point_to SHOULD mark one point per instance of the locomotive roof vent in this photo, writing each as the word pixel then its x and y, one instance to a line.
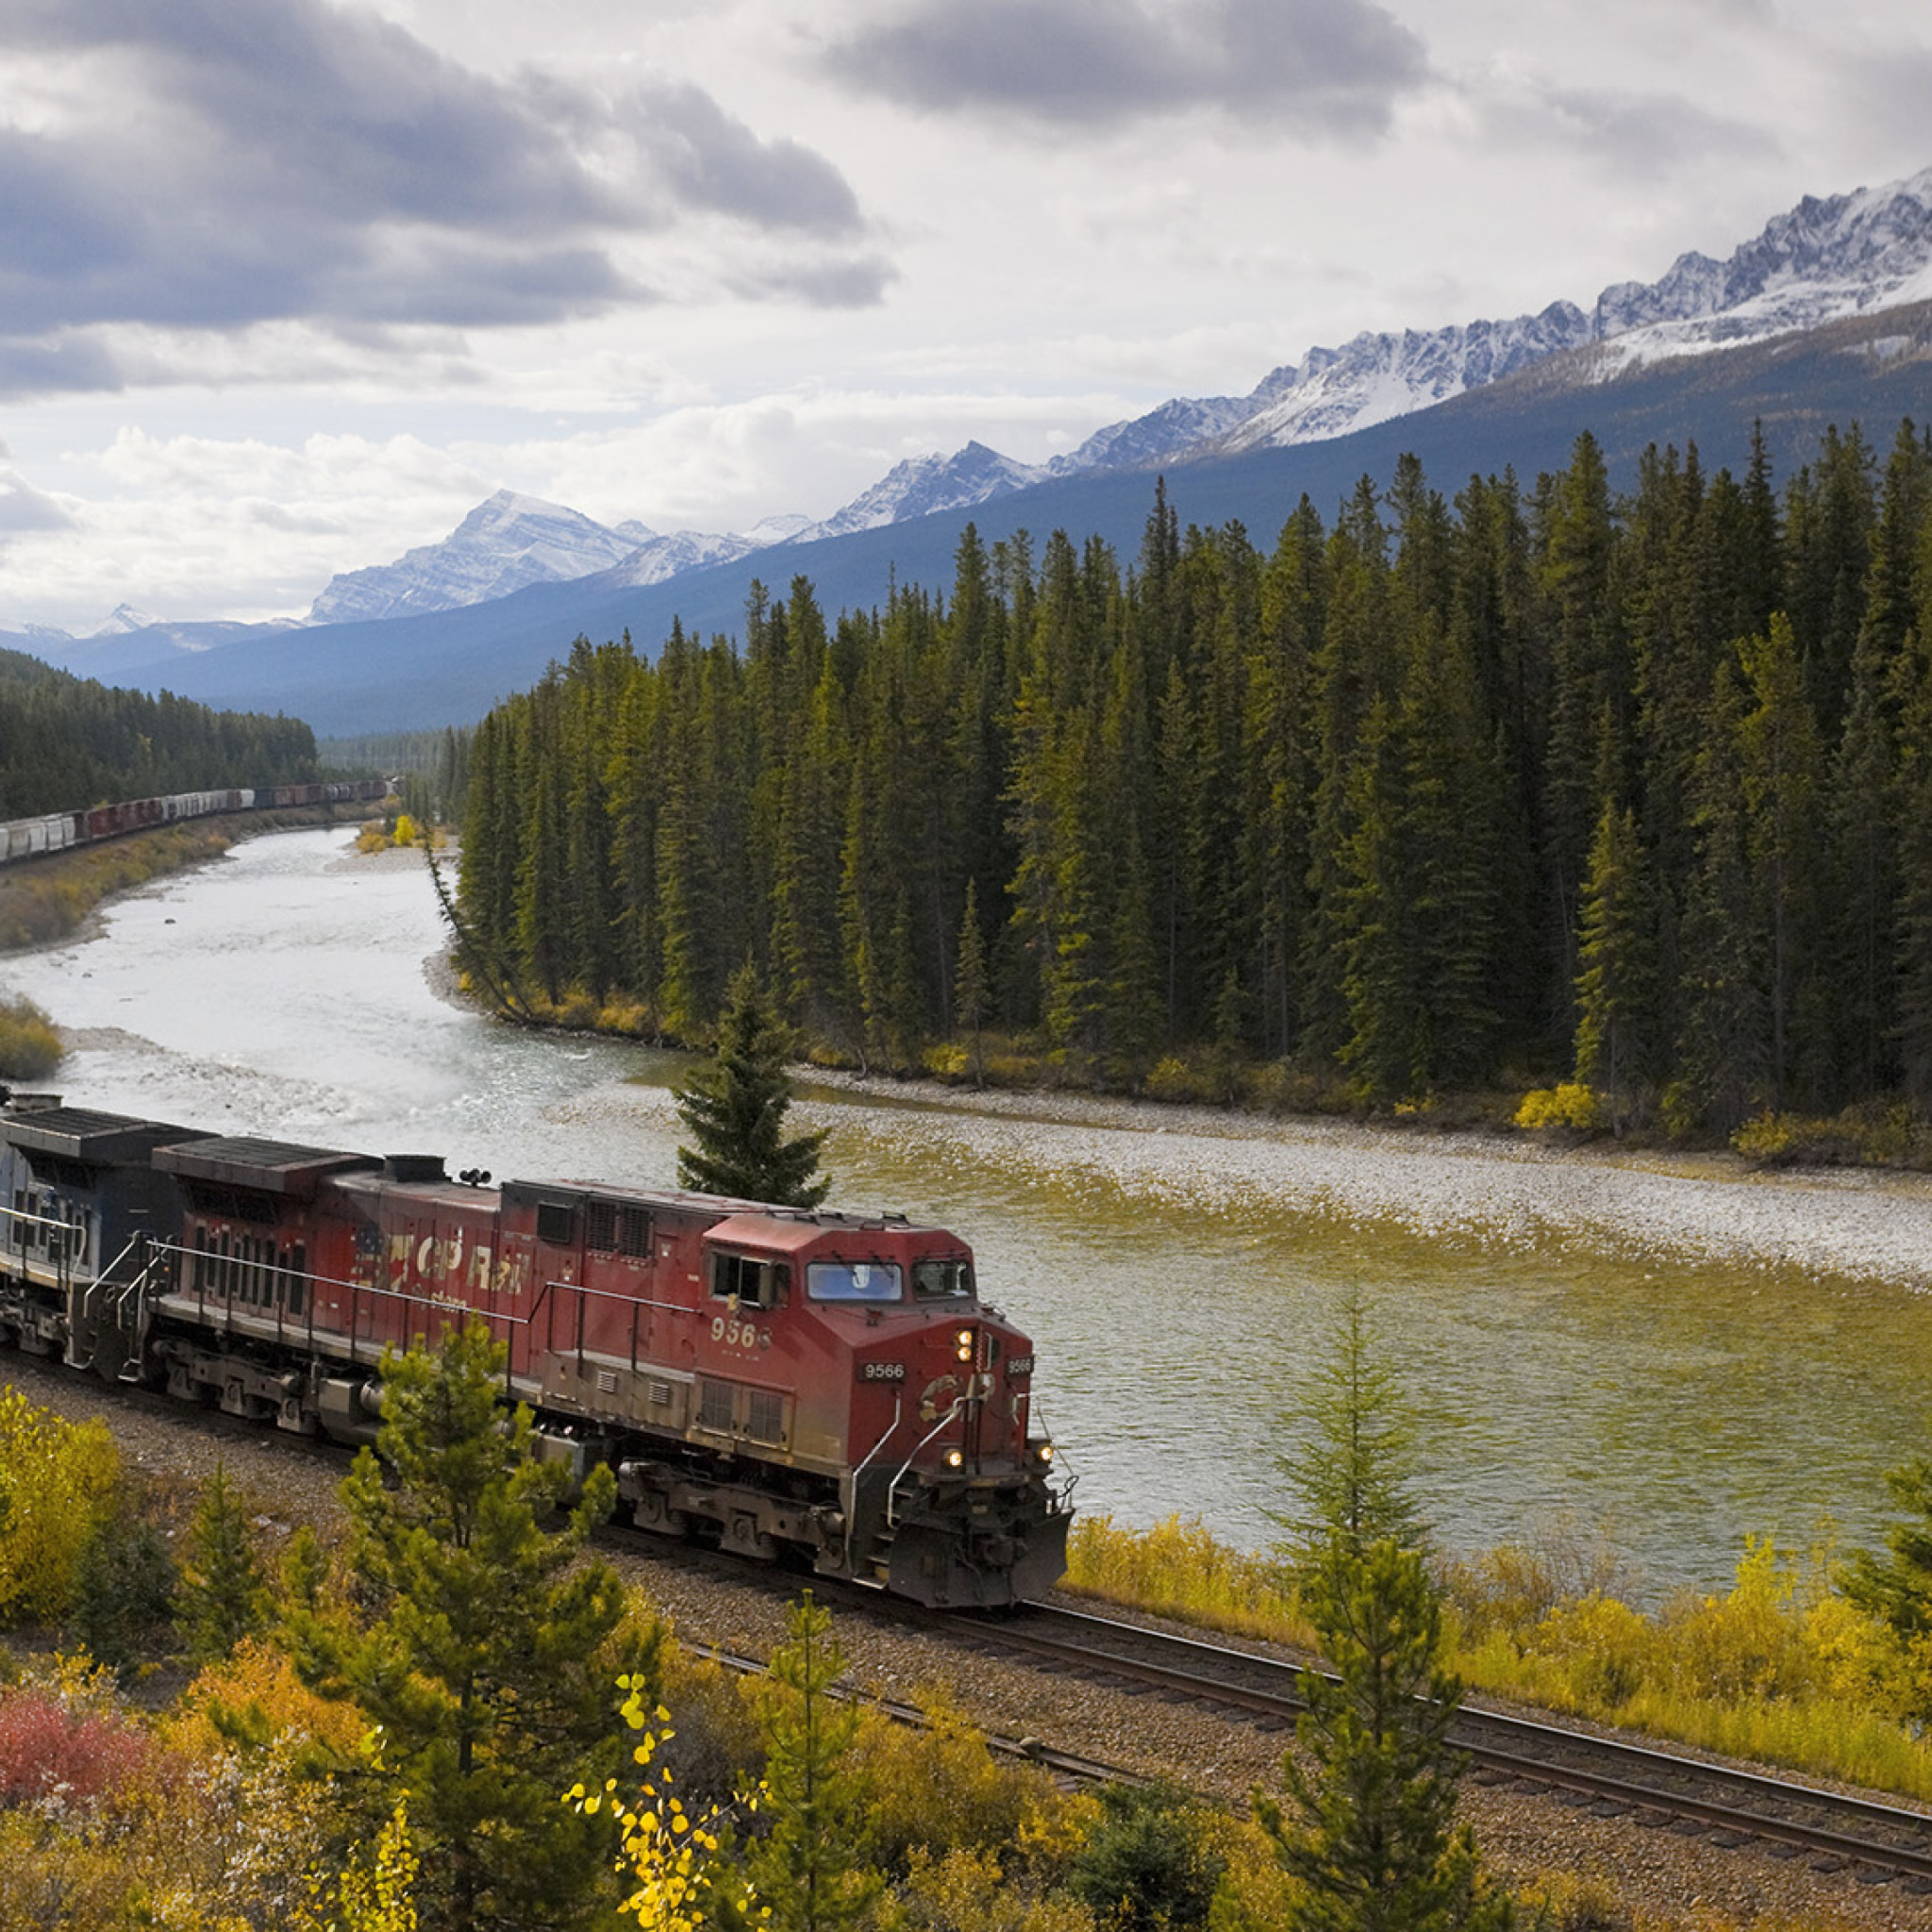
pixel 17 1102
pixel 412 1170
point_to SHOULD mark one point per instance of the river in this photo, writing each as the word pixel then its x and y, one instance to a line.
pixel 1673 1353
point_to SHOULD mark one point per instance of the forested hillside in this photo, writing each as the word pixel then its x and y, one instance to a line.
pixel 1438 794
pixel 66 742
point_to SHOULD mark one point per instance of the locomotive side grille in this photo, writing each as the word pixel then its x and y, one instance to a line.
pixel 602 1236
pixel 764 1415
pixel 714 1405
pixel 634 1233
pixel 661 1392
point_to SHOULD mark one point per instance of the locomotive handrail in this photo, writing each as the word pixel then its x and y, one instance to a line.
pixel 356 1290
pixel 633 1301
pixel 891 1429
pixel 893 1494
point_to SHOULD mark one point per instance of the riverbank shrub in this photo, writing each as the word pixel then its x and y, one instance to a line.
pixel 1571 1105
pixel 1781 1668
pixel 1179 1569
pixel 29 1043
pixel 1873 1135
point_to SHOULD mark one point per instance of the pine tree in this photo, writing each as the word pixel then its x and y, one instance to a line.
pixel 971 992
pixel 806 1867
pixel 1369 1827
pixel 483 1650
pixel 1779 762
pixel 224 1594
pixel 1616 990
pixel 735 1111
pixel 1897 1587
pixel 1912 788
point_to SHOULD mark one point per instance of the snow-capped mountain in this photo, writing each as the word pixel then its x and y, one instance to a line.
pixel 505 544
pixel 124 619
pixel 1845 256
pixel 921 485
pixel 511 542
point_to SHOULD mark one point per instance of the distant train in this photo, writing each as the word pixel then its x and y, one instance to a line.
pixel 60 830
pixel 772 1379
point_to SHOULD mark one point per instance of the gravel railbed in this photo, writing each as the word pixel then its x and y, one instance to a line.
pixel 1679 1880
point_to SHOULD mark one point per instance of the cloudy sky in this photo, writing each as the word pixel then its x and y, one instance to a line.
pixel 287 285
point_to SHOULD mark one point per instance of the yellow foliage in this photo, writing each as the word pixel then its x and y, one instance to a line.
pixel 55 1478
pixel 940 1788
pixel 1569 1104
pixel 1172 1078
pixel 671 1859
pixel 1178 1567
pixel 259 1686
pixel 965 1891
pixel 30 1045
pixel 373 1896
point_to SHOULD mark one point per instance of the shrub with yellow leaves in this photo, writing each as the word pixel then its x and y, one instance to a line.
pixel 675 1863
pixel 55 1479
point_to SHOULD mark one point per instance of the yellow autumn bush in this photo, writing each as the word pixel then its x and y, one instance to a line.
pixel 55 1479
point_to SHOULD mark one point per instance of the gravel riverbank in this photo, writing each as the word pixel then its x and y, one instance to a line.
pixel 1507 1190
pixel 1678 1881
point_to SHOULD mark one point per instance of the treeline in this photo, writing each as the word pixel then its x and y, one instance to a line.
pixel 1437 794
pixel 68 743
pixel 433 767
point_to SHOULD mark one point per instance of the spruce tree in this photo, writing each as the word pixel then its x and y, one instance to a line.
pixel 972 993
pixel 1897 1587
pixel 1616 990
pixel 480 1646
pixel 735 1111
pixel 806 1867
pixel 1369 1827
pixel 224 1594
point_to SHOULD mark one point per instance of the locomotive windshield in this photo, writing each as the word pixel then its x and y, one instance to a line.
pixel 852 1281
pixel 942 1280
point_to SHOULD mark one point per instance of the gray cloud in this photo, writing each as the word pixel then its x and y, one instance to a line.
pixel 1323 68
pixel 1647 135
pixel 65 366
pixel 716 162
pixel 248 160
pixel 24 508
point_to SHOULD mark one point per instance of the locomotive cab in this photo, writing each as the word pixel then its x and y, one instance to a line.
pixel 914 1392
pixel 79 1205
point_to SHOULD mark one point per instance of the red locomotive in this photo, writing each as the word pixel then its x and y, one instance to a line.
pixel 784 1381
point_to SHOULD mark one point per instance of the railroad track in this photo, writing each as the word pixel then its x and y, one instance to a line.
pixel 1831 1829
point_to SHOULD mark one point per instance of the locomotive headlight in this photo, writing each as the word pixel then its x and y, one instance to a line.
pixel 1044 1450
pixel 962 1343
pixel 956 1458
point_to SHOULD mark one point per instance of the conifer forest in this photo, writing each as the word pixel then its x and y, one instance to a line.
pixel 68 743
pixel 1533 782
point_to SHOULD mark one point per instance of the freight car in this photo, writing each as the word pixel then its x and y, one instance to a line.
pixel 58 831
pixel 822 1385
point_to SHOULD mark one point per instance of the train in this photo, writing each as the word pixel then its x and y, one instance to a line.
pixel 60 830
pixel 821 1387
